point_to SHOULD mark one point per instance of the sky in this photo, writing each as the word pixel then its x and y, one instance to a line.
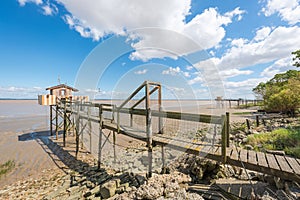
pixel 196 49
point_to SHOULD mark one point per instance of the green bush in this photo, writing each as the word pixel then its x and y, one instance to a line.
pixel 6 167
pixel 287 140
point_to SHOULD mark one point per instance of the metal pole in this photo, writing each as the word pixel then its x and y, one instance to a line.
pixel 77 129
pixel 223 150
pixel 227 128
pixel 56 121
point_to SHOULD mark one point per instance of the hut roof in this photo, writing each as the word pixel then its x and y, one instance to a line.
pixel 62 86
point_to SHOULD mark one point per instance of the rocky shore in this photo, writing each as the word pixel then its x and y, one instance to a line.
pixel 188 177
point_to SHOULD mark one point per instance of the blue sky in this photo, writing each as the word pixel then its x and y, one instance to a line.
pixel 196 49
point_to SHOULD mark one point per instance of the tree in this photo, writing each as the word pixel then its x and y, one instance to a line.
pixel 281 93
pixel 296 58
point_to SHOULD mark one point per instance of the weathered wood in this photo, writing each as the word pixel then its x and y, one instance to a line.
pixel 244 155
pixel 294 164
pixel 149 129
pixel 257 121
pixel 248 124
pixel 272 162
pixel 261 159
pixel 65 125
pixel 56 122
pixel 227 129
pixel 252 157
pixel 51 120
pixel 283 164
pixel 224 138
pixel 100 138
pixel 90 127
pixel 77 130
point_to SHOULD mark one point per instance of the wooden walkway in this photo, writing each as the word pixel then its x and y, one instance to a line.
pixel 285 167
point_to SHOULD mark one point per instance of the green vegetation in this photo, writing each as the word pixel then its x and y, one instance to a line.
pixel 287 140
pixel 281 93
pixel 296 59
pixel 6 167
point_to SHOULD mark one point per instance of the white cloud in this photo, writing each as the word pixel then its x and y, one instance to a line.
pixel 280 66
pixel 97 18
pixel 197 79
pixel 139 72
pixel 278 44
pixel 262 33
pixel 234 72
pixel 49 9
pixel 173 71
pixel 23 2
pixel 288 10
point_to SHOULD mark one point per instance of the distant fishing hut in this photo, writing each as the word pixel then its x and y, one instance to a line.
pixel 59 93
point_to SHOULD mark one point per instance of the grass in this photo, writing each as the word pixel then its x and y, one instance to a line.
pixel 287 140
pixel 6 167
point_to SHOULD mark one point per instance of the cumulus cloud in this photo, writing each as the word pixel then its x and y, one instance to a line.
pixel 95 19
pixel 139 72
pixel 280 66
pixel 234 72
pixel 276 45
pixel 174 71
pixel 24 2
pixel 288 10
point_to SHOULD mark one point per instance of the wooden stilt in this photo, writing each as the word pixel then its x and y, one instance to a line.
pixel 90 127
pixel 248 124
pixel 77 128
pixel 56 121
pixel 114 144
pixel 51 119
pixel 149 130
pixel 100 138
pixel 224 139
pixel 257 120
pixel 65 124
pixel 227 129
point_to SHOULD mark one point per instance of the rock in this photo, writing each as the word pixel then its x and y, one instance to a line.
pixel 279 183
pixel 248 147
pixel 108 189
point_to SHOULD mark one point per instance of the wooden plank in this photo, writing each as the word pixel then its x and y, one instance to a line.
pixel 261 159
pixel 294 164
pixel 244 155
pixel 283 164
pixel 272 161
pixel 235 154
pixel 252 157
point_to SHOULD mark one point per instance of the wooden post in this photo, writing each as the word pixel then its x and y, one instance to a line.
pixel 65 124
pixel 90 127
pixel 224 139
pixel 131 117
pixel 263 121
pixel 149 130
pixel 160 130
pixel 248 124
pixel 227 129
pixel 229 103
pixel 257 120
pixel 51 131
pixel 56 121
pixel 100 138
pixel 114 144
pixel 77 129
